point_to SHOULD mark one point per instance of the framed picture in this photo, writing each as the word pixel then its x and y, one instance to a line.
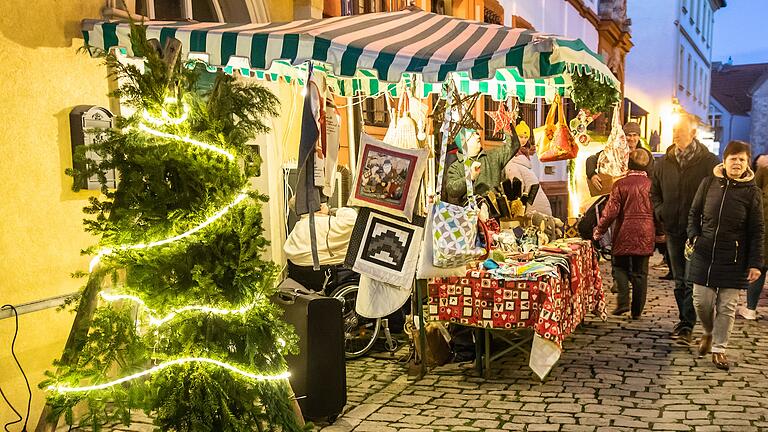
pixel 385 248
pixel 388 177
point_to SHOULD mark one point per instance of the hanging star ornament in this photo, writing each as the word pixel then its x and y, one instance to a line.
pixel 502 119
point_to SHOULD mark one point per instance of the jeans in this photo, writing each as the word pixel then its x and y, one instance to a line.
pixel 755 289
pixel 634 269
pixel 717 310
pixel 683 289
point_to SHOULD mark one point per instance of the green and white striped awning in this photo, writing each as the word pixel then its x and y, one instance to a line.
pixel 373 53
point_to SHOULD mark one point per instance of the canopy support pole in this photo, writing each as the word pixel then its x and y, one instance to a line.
pixel 354 128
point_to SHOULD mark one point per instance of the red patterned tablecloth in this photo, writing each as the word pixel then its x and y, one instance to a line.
pixel 552 306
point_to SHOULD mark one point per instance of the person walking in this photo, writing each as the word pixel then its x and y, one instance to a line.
pixel 756 288
pixel 725 229
pixel 629 205
pixel 676 177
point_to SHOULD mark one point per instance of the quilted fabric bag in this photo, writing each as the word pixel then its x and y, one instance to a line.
pixel 454 227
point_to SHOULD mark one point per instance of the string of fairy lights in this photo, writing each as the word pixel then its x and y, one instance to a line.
pixel 146 126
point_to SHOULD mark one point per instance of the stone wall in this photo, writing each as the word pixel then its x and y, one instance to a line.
pixel 759 133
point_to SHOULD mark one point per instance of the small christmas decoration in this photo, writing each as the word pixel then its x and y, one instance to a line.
pixel 502 119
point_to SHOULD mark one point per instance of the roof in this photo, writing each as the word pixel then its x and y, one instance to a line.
pixel 731 85
pixel 382 46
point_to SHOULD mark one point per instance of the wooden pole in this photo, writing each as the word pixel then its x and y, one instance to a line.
pixel 76 340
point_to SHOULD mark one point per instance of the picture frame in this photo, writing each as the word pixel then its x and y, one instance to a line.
pixel 385 247
pixel 387 177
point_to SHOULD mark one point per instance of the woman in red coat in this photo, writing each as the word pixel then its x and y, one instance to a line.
pixel 633 234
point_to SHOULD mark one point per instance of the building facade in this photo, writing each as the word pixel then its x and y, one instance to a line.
pixel 668 70
pixel 737 106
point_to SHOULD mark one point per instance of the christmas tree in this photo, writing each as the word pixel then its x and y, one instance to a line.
pixel 184 329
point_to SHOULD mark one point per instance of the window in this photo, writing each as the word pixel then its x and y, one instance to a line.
pixel 230 11
pixel 528 114
pixel 699 8
pixel 688 73
pixel 681 68
pixel 685 6
pixel 442 7
pixel 375 112
pixel 369 6
pixel 695 81
pixel 717 124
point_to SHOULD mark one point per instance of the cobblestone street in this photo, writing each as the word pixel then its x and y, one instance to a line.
pixel 613 375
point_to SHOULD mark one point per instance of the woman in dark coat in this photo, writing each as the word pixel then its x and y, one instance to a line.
pixel 725 227
pixel 633 235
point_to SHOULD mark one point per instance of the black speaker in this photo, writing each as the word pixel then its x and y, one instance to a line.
pixel 318 372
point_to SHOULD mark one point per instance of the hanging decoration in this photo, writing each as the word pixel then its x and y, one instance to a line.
pixel 403 131
pixel 579 125
pixel 502 119
pixel 461 113
pixel 388 177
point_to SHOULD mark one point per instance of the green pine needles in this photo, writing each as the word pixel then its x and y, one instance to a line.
pixel 184 308
pixel 591 94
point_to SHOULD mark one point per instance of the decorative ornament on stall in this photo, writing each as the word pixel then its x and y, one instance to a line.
pixel 404 130
pixel 502 119
pixel 579 126
pixel 461 116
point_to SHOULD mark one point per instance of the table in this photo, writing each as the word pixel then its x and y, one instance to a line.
pixel 551 306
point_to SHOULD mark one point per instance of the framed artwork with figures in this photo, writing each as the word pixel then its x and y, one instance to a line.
pixel 388 177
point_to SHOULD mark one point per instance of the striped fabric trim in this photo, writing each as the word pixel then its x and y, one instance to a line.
pixel 373 52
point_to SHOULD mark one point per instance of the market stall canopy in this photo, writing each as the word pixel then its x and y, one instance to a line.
pixel 372 53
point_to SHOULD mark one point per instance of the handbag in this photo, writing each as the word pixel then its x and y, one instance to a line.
pixel 558 143
pixel 454 227
pixel 613 160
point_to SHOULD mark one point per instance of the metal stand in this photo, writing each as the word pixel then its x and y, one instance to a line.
pixel 422 330
pixel 517 339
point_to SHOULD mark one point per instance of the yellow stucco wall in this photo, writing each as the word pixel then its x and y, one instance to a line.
pixel 41 78
pixel 280 10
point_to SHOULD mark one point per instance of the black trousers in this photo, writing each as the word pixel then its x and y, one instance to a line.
pixel 628 269
pixel 683 288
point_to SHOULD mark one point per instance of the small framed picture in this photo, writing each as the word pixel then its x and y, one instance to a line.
pixel 388 177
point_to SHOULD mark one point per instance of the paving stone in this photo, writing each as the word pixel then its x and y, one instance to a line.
pixel 372 426
pixel 564 407
pixel 486 424
pixel 617 375
pixel 670 427
pixel 543 427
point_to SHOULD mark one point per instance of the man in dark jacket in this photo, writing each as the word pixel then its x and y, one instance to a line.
pixel 676 178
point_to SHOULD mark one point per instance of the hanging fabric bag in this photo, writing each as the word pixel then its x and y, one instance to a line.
pixel 558 143
pixel 615 156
